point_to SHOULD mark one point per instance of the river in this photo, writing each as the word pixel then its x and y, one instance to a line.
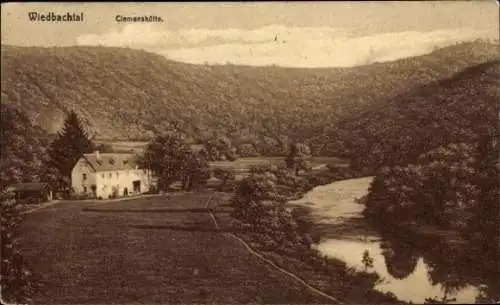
pixel 412 270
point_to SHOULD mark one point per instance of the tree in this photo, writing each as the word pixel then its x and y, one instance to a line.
pixel 69 146
pixel 17 282
pixel 367 260
pixel 247 150
pixel 166 157
pixel 298 158
pixel 220 148
pixel 260 207
pixel 488 171
pixel 439 190
pixel 196 171
pixel 21 148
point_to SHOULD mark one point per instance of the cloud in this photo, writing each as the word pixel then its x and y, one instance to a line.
pixel 280 45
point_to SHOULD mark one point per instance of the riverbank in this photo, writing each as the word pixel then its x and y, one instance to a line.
pixel 329 275
pixel 436 263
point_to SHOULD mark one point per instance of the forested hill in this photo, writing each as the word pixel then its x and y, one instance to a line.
pixel 459 109
pixel 129 94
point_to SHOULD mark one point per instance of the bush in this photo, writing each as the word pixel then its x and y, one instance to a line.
pixel 16 279
pixel 224 175
pixel 247 150
pixel 114 193
pixel 152 190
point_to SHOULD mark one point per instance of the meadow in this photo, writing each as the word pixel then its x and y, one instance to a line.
pixel 241 165
pixel 162 250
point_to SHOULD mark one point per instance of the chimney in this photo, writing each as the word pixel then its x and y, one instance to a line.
pixel 97 155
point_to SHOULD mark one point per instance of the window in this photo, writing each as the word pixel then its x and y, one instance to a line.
pixel 85 189
pixel 84 177
pixel 110 175
pixel 117 174
pixel 102 175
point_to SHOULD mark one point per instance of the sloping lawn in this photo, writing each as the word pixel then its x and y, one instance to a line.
pixel 244 164
pixel 148 257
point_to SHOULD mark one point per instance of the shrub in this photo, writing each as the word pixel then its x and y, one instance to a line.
pixel 247 150
pixel 152 190
pixel 114 193
pixel 224 175
pixel 16 279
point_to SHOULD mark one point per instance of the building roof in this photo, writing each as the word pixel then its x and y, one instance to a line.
pixel 30 187
pixel 111 161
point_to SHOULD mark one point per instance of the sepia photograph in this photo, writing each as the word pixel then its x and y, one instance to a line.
pixel 250 153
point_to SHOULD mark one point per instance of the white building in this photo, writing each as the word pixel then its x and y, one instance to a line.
pixel 109 175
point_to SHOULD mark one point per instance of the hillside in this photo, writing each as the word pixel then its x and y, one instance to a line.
pixel 453 110
pixel 129 94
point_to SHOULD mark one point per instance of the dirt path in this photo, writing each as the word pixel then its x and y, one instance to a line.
pixel 269 262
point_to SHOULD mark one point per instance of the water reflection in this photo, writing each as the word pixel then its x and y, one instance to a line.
pixel 444 268
pixel 456 265
pixel 422 269
pixel 400 258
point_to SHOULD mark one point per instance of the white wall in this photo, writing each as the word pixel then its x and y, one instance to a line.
pixel 105 181
pixel 77 182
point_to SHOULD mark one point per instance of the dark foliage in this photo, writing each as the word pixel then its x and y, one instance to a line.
pixel 171 160
pixel 298 158
pixel 18 284
pixel 23 148
pixel 128 94
pixel 225 176
pixel 220 149
pixel 455 110
pixel 69 146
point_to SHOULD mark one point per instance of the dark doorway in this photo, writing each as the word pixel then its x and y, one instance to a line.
pixel 125 192
pixel 137 186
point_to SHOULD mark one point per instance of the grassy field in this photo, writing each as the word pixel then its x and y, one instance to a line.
pixel 244 164
pixel 126 146
pixel 141 251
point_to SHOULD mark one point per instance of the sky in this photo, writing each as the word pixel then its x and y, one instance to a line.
pixel 292 34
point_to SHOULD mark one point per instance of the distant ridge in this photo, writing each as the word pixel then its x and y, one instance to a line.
pixel 129 94
pixel 459 109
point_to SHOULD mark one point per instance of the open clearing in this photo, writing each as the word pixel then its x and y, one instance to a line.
pixel 140 251
pixel 241 164
pixel 244 164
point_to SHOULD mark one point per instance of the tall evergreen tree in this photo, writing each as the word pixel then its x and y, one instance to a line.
pixel 71 143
